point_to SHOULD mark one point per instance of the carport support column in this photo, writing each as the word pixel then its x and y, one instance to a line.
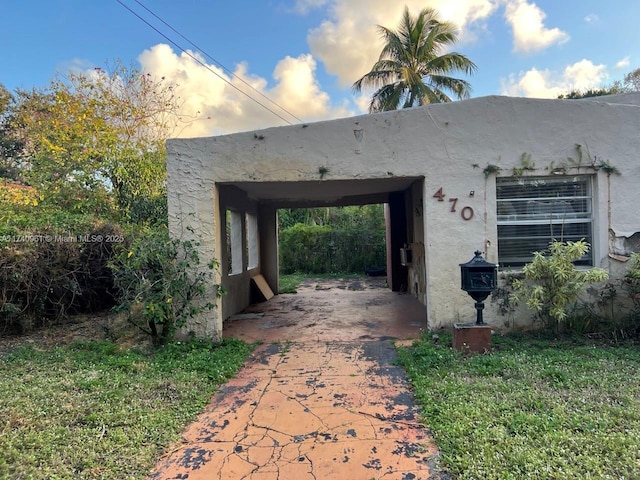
pixel 397 237
pixel 268 232
pixel 193 215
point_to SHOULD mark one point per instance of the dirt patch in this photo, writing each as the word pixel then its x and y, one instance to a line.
pixel 347 283
pixel 81 328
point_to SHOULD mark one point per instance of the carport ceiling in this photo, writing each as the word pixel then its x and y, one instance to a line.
pixel 325 192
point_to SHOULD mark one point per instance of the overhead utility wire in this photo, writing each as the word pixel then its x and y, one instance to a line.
pixel 196 59
pixel 218 63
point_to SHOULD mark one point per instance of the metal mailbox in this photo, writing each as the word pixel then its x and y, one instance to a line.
pixel 478 278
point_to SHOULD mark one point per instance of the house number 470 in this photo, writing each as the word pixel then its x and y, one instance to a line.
pixel 466 213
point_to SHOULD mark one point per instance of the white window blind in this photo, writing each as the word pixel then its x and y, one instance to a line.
pixel 534 211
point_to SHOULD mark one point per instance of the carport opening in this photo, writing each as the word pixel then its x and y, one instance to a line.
pixel 386 237
pixel 331 241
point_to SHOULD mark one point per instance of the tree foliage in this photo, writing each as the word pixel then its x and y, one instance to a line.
pixel 354 216
pixel 552 281
pixel 10 144
pixel 630 83
pixel 96 139
pixel 77 160
pixel 331 240
pixel 412 69
pixel 592 92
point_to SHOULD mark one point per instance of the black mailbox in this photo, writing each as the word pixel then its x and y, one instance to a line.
pixel 478 279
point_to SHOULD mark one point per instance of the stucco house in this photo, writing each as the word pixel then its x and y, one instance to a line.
pixel 497 174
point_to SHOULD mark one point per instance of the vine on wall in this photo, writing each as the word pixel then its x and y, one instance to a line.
pixel 582 159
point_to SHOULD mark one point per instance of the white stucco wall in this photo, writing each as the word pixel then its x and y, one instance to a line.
pixel 448 144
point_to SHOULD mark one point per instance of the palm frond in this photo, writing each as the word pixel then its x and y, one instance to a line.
pixel 385 97
pixel 411 70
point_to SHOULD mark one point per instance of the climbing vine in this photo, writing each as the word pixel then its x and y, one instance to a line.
pixel 582 159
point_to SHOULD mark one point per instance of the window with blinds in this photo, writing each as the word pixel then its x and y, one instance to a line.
pixel 534 211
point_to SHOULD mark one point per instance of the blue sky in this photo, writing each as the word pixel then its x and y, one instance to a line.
pixel 305 54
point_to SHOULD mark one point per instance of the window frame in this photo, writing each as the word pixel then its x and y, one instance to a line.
pixel 253 241
pixel 543 210
pixel 236 242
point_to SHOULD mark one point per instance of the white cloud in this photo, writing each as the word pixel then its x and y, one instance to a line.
pixel 580 76
pixel 305 6
pixel 529 31
pixel 592 18
pixel 362 101
pixel 299 92
pixel 584 74
pixel 624 63
pixel 211 106
pixel 349 43
pixel 75 66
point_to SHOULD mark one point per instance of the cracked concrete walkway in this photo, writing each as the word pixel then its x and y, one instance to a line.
pixel 306 408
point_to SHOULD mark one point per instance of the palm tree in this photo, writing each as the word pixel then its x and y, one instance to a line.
pixel 410 70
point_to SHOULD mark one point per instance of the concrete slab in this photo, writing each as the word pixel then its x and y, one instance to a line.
pixel 327 310
pixel 314 405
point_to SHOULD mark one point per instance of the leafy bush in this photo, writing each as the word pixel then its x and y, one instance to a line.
pixel 632 280
pixel 47 275
pixel 552 282
pixel 34 220
pixel 323 249
pixel 363 217
pixel 631 283
pixel 615 312
pixel 161 283
pixel 148 209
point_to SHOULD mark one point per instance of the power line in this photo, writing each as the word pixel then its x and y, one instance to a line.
pixel 218 63
pixel 197 60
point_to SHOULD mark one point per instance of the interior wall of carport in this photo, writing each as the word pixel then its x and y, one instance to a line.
pixel 417 269
pixel 237 285
pixel 268 230
pixel 405 230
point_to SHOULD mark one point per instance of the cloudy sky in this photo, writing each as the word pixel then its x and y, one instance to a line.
pixel 252 64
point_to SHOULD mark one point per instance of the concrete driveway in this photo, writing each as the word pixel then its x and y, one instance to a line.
pixel 321 398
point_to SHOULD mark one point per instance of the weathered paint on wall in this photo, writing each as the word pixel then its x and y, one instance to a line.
pixel 449 145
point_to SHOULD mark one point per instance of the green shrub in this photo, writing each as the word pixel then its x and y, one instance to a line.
pixel 149 209
pixel 615 313
pixel 632 280
pixel 48 275
pixel 323 249
pixel 33 220
pixel 631 284
pixel 161 283
pixel 551 281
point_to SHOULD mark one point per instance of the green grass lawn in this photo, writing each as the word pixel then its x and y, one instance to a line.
pixel 534 408
pixel 289 283
pixel 92 410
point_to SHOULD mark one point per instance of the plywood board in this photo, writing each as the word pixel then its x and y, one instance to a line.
pixel 263 286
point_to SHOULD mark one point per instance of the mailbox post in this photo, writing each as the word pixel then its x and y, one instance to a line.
pixel 478 279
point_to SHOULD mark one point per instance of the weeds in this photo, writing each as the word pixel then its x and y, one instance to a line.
pixel 91 410
pixel 289 283
pixel 537 407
